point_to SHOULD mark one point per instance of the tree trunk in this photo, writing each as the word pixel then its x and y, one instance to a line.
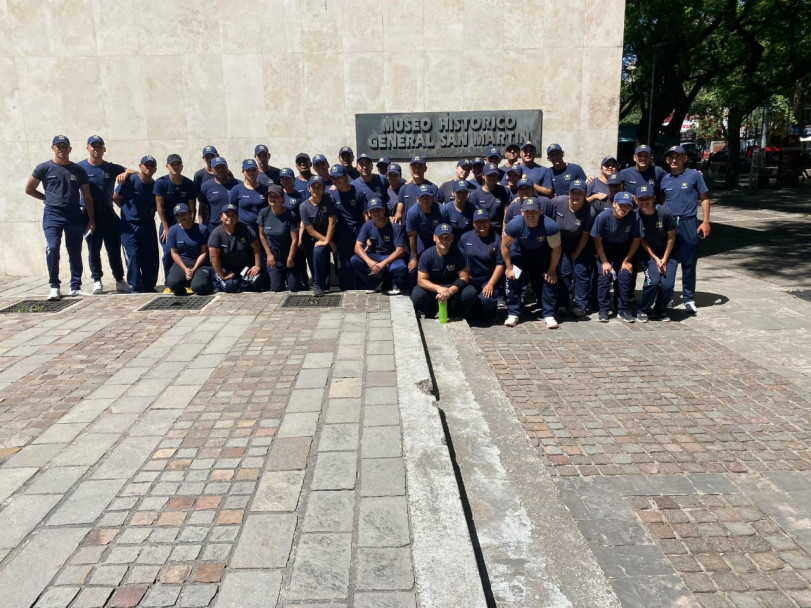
pixel 734 120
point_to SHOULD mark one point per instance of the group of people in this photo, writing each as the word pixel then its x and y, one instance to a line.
pixel 494 235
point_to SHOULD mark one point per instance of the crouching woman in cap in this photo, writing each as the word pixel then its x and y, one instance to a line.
pixel 235 254
pixel 482 250
pixel 188 246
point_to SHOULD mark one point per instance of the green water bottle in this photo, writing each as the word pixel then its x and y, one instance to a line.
pixel 443 311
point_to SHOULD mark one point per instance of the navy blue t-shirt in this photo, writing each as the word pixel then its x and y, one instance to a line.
pixel 137 199
pixel 349 205
pixel 530 239
pixel 460 221
pixel 408 195
pixel 250 202
pixel 101 181
pixel 173 194
pixel 292 200
pixel 493 202
pixel 317 216
pixel 514 209
pixel 214 196
pixel 442 271
pixel 682 192
pixel 189 243
pixel 655 228
pixel 424 225
pixel 377 186
pixel 277 229
pixel 271 175
pixel 614 231
pixel 572 224
pixel 634 178
pixel 61 183
pixel 383 241
pixel 303 186
pixel 538 175
pixel 563 177
pixel 236 251
pixel 481 255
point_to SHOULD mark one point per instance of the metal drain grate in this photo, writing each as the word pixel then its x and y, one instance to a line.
pixel 325 301
pixel 177 303
pixel 803 294
pixel 27 306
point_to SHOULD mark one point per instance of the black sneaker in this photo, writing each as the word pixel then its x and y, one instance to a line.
pixel 317 291
pixel 603 316
pixel 578 312
pixel 641 317
pixel 626 316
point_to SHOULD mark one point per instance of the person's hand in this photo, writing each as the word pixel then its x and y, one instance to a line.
pixel 271 260
pixel 600 196
pixel 333 246
pixel 91 226
pixel 443 294
pixel 661 266
pixel 189 274
pixel 589 179
pixel 397 219
pixel 412 264
pixel 230 275
pixel 121 178
pixel 510 273
pixel 253 271
pixel 550 276
pixel 321 243
pixel 607 268
pixel 164 234
pixel 375 268
pixel 703 230
pixel 291 262
pixel 487 290
pixel 627 267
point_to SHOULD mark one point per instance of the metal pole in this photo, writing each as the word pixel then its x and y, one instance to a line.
pixel 651 136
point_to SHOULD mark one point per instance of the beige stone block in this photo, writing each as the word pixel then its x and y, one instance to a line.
pixel 442 69
pixel 41 98
pixel 284 94
pixel 563 24
pixel 162 148
pixel 323 95
pixel 322 26
pixel 363 83
pixel 243 24
pixel 164 97
pixel 443 26
pixel 523 84
pixel 402 27
pixel 360 25
pixel 114 24
pixel 489 92
pixel 597 143
pixel 122 86
pixel 404 82
pixel 205 96
pixel 14 204
pixel 82 100
pixel 604 65
pixel 244 89
pixel 604 22
pixel 561 87
pixel 526 29
pixel 6 31
pixel 12 125
pixel 484 26
pixel 286 35
pixel 239 148
pixel 24 249
pixel 127 152
pixel 43 28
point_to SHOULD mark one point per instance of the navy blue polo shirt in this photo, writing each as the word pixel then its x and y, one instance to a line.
pixel 271 175
pixel 236 251
pixel 408 195
pixel 493 202
pixel 634 178
pixel 173 194
pixel 317 216
pixel 277 229
pixel 303 185
pixel 538 175
pixel 442 270
pixel 249 200
pixel 561 178
pixel 292 200
pixel 189 243
pixel 460 221
pixel 597 186
pixel 424 225
pixel 514 209
pixel 614 231
pixel 376 186
pixel 349 206
pixel 101 181
pixel 214 196
pixel 394 199
pixel 383 241
pixel 682 192
pixel 62 183
pixel 655 228
pixel 137 199
pixel 481 255
pixel 530 239
pixel 572 224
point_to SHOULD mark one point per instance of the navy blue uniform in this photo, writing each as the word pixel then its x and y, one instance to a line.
pixel 634 178
pixel 494 203
pixel 443 271
pixel 101 181
pixel 513 210
pixel 318 257
pixel 482 255
pixel 574 274
pixel 139 238
pixel 277 229
pixel 350 206
pixel 538 175
pixel 408 195
pixel 531 251
pixel 214 196
pixel 250 202
pixel 172 194
pixel 382 242
pixel 561 178
pixel 460 221
pixel 617 237
pixel 424 225
pixel 376 186
pixel 189 244
pixel 236 253
pixel 596 186
pixel 657 289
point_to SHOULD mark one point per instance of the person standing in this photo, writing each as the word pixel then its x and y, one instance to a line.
pixel 407 197
pixel 62 182
pixel 492 196
pixel 598 190
pixel 658 262
pixel 279 235
pixel 541 177
pixel 574 217
pixel 250 196
pixel 102 177
pixel 214 193
pixel 458 212
pixel 350 202
pixel 421 223
pixel 268 174
pixel 188 244
pixel 319 220
pixel 347 158
pixel 683 188
pixel 643 171
pixel 206 172
pixel 563 173
pixel 170 190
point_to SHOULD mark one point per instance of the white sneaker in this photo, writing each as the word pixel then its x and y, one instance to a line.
pixel 393 292
pixel 551 323
pixel 77 292
pixel 122 287
pixel 54 294
pixel 691 307
pixel 98 288
pixel 511 321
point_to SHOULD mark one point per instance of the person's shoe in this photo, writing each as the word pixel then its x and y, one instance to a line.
pixel 511 321
pixel 317 291
pixel 691 307
pixel 551 322
pixel 122 287
pixel 502 302
pixel 393 292
pixel 54 294
pixel 77 292
pixel 166 291
pixel 626 316
pixel 98 288
pixel 603 316
pixel 664 318
pixel 641 317
pixel 562 312
pixel 578 312
pixel 375 290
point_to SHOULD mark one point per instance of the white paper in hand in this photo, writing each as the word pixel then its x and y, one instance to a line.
pixel 517 272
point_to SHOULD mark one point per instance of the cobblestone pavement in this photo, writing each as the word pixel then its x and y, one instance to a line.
pixel 226 457
pixel 683 450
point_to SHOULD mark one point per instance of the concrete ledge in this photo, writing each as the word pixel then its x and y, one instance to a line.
pixel 444 563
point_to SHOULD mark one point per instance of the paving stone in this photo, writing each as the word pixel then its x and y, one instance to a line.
pixel 382 477
pixel 305 400
pixel 380 395
pixel 143 574
pixel 386 600
pixel 217 551
pixel 312 378
pixel 61 433
pixel 12 479
pixel 383 522
pixel 86 503
pixel 345 388
pixel 208 573
pixel 123 555
pixel 57 480
pixel 265 542
pixel 381 415
pixel 249 589
pixel 334 471
pixel 108 575
pixel 92 597
pixel 161 595
pixel 317 360
pixel 22 515
pixel 278 491
pixel 384 569
pixel 339 437
pixel 57 597
pixel 298 425
pixel 321 568
pixel 381 442
pixel 342 411
pixel 126 458
pixel 194 596
pixel 127 597
pixel 86 450
pixel 329 511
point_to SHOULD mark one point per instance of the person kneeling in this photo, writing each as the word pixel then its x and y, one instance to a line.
pixel 384 256
pixel 188 247
pixel 443 276
pixel 235 254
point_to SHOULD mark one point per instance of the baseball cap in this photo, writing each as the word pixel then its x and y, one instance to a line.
pixel 460 184
pixel 337 171
pixel 490 168
pixel 645 191
pixel 623 198
pixel 301 155
pixel 174 158
pixel 181 208
pixel 95 139
pixel 275 189
pixel 260 148
pixel 480 214
pixel 514 169
pixel 210 150
pixel 443 229
pixel 319 158
pixel 394 168
pixel 345 150
pixel 614 179
pixel 60 139
pixel 642 148
pixel 383 161
pixel 364 157
pixel 553 148
pixel 525 182
pixel 147 159
pixel 510 146
pixel 675 150
pixel 230 207
pixel 287 172
pixel 493 151
pixel 374 202
pixel 418 160
pixel 249 163
pixel 530 204
pixel 607 159
pixel 315 179
pixel 463 162
pixel 577 184
pixel 425 190
pixel 477 161
pixel 216 162
pixel 527 144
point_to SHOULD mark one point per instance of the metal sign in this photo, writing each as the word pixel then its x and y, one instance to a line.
pixel 445 135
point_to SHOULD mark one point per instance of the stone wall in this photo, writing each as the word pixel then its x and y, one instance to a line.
pixel 173 76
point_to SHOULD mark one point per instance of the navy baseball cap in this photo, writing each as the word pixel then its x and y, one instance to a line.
pixel 480 214
pixel 426 190
pixel 230 207
pixel 275 189
pixel 510 146
pixel 210 150
pixel 530 204
pixel 394 168
pixel 383 161
pixel 675 150
pixel 461 184
pixel 216 162
pixel 642 148
pixel 614 179
pixel 147 159
pixel 493 152
pixel 528 144
pixel 337 171
pixel 345 150
pixel 418 160
pixel 463 162
pixel 443 229
pixel 374 203
pixel 315 179
pixel 525 182
pixel 623 198
pixel 301 155
pixel 477 161
pixel 578 184
pixel 287 172
pixel 249 163
pixel 174 158
pixel 490 168
pixel 181 208
pixel 319 158
pixel 60 139
pixel 260 148
pixel 364 157
pixel 645 191
pixel 95 139
pixel 514 169
pixel 553 148
pixel 607 160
